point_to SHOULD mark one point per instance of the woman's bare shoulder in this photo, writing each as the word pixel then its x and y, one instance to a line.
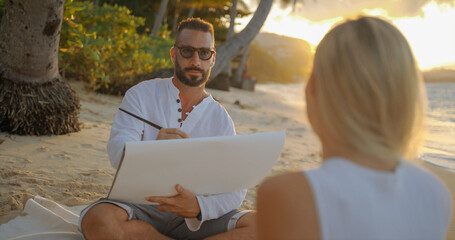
pixel 286 207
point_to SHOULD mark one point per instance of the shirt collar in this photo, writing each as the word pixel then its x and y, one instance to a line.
pixel 173 89
pixel 175 93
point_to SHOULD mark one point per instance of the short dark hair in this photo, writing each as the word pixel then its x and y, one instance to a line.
pixel 195 24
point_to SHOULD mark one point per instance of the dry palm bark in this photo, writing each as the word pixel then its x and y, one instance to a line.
pixel 232 47
pixel 34 99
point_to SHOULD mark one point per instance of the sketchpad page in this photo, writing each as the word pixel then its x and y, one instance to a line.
pixel 204 166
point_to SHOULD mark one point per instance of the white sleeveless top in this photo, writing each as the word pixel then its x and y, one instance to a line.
pixel 354 202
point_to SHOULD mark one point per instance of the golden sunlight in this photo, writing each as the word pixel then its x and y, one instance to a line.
pixel 431 34
pixel 432 37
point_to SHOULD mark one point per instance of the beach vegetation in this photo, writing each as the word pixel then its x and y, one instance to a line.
pixel 103 47
pixel 216 12
pixel 111 63
pixel 110 47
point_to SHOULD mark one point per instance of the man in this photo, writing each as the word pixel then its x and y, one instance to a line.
pixel 183 108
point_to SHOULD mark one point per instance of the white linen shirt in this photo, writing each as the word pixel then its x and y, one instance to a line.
pixel 158 101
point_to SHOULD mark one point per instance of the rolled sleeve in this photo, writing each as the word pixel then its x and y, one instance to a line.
pixel 215 206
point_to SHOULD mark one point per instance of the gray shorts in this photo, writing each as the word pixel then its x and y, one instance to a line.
pixel 171 225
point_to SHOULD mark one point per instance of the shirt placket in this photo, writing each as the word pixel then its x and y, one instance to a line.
pixel 175 105
pixel 179 111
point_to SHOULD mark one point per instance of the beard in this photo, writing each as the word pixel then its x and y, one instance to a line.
pixel 191 81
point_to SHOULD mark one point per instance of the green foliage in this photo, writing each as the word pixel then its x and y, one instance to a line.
pixel 216 12
pixel 101 45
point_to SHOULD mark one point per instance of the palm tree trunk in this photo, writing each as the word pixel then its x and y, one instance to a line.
pixel 34 99
pixel 236 80
pixel 159 17
pixel 231 48
pixel 191 12
pixel 227 70
pixel 222 81
pixel 95 3
pixel 176 17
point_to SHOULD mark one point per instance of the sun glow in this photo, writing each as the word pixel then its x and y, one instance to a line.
pixel 431 34
pixel 432 37
pixel 283 22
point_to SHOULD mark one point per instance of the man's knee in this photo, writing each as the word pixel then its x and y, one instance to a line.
pixel 247 220
pixel 102 219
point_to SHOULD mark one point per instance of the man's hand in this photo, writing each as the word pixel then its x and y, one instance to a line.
pixel 171 133
pixel 184 204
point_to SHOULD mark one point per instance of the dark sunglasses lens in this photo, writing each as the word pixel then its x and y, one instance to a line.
pixel 205 54
pixel 186 52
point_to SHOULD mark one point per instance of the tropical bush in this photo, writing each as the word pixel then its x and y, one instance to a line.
pixel 101 45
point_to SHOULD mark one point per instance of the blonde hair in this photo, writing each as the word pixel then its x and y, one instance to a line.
pixel 369 90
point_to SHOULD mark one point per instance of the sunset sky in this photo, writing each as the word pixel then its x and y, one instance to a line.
pixel 429 25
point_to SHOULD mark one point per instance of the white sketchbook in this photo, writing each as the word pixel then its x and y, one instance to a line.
pixel 210 165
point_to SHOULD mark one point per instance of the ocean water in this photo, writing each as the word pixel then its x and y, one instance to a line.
pixel 439 147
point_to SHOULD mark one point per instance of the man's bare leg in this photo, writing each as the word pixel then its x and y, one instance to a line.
pixel 244 229
pixel 108 221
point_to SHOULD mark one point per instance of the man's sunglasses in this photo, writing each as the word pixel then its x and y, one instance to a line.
pixel 187 52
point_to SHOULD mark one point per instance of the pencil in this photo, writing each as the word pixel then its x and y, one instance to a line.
pixel 148 122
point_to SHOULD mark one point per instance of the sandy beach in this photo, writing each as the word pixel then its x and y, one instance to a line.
pixel 74 169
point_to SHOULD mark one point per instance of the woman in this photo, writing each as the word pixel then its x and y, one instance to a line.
pixel 365 101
